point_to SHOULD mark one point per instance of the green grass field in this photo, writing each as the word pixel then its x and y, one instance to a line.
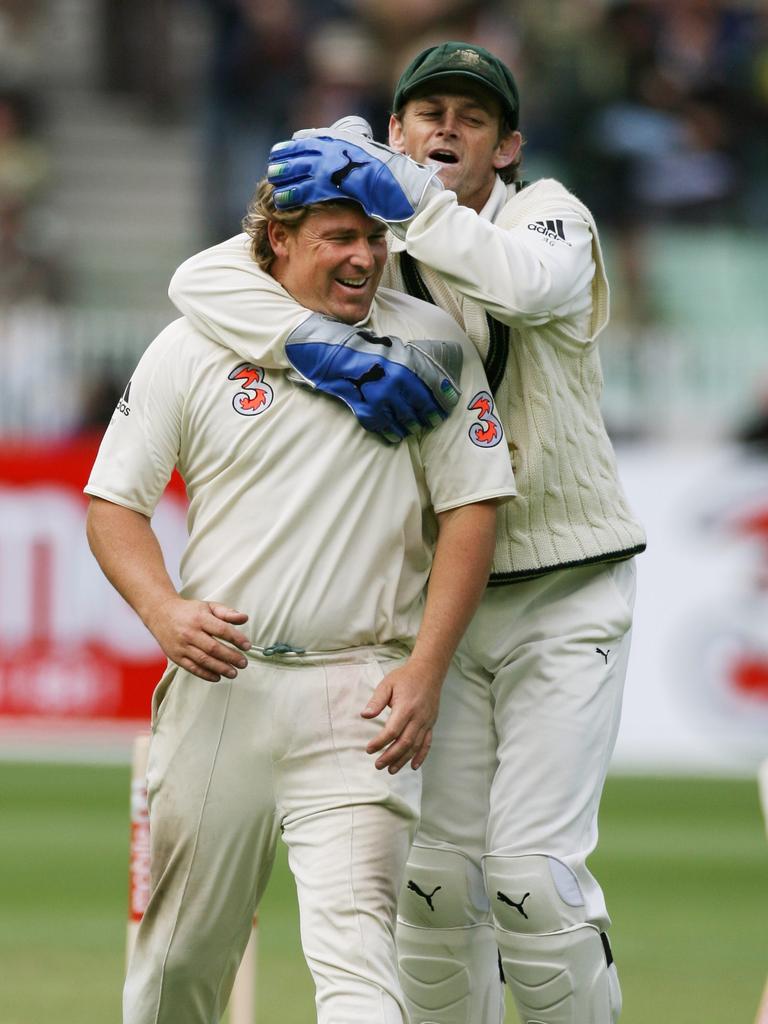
pixel 684 863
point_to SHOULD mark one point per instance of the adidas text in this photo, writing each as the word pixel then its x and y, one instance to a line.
pixel 552 230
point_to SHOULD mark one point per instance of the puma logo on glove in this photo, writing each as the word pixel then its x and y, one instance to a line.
pixel 338 176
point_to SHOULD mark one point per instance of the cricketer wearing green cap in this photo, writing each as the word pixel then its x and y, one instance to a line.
pixel 528 720
pixel 529 712
pixel 460 60
pixel 484 108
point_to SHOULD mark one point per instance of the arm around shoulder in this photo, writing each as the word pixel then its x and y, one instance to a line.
pixel 228 298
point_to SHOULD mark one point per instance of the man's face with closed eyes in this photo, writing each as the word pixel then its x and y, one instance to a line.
pixel 459 126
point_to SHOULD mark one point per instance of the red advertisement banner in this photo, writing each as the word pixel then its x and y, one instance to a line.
pixel 70 647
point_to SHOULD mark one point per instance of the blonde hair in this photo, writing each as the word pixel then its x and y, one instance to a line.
pixel 262 212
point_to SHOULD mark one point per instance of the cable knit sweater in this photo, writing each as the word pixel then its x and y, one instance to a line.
pixel 544 277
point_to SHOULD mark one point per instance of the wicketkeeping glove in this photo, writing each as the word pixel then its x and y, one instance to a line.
pixel 394 389
pixel 320 164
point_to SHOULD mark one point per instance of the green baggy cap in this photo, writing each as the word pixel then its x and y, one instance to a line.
pixel 465 60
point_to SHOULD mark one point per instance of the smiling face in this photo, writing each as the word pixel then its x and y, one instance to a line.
pixel 458 125
pixel 332 261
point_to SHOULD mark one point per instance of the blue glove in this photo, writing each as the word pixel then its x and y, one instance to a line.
pixel 336 163
pixel 394 389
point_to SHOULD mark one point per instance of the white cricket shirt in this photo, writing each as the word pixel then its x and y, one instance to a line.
pixel 316 529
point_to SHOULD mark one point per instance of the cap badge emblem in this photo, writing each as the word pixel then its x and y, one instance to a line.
pixel 470 57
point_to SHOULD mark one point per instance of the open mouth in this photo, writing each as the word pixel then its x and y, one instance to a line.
pixel 356 283
pixel 443 156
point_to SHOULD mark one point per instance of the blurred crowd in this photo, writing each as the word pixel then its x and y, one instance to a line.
pixel 650 110
pixel 31 274
pixel 27 269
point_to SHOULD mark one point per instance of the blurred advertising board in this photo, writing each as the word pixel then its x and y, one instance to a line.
pixel 70 647
pixel 697 691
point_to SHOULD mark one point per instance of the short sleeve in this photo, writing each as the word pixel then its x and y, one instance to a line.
pixel 141 444
pixel 466 458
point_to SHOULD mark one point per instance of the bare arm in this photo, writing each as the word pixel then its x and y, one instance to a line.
pixel 189 632
pixel 459 575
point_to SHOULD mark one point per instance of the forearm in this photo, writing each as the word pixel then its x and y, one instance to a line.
pixel 127 550
pixel 510 271
pixel 460 570
pixel 225 296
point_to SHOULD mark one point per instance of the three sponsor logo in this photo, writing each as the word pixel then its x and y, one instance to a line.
pixel 256 395
pixel 487 432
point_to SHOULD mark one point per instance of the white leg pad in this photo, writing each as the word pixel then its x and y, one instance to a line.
pixel 450 975
pixel 446 943
pixel 560 978
pixel 558 966
pixel 442 889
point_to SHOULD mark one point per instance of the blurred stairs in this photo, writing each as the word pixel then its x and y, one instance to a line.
pixel 124 208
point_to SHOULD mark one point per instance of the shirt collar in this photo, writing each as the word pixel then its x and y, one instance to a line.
pixel 496 200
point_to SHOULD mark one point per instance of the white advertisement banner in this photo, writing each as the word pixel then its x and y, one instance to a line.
pixel 697 689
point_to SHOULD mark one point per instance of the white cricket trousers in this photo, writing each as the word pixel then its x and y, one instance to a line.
pixel 528 721
pixel 232 765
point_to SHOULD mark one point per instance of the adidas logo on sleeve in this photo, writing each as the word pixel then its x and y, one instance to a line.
pixel 552 230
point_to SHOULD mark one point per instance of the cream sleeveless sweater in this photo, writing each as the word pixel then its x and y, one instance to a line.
pixel 571 508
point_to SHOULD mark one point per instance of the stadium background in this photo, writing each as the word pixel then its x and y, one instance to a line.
pixel 131 134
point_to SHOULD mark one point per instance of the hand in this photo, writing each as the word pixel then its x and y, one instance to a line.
pixel 321 164
pixel 413 693
pixel 190 634
pixel 394 389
